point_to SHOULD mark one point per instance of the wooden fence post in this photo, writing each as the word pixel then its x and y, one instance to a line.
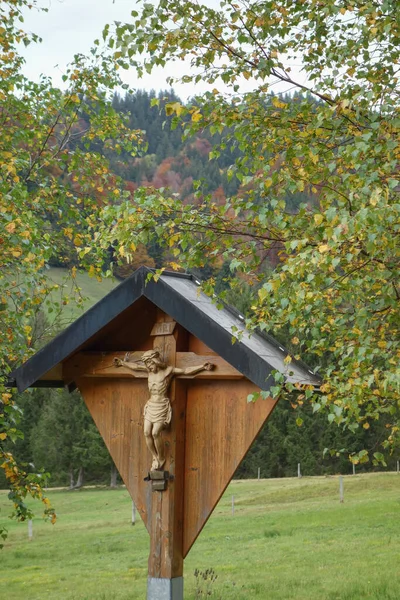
pixel 341 489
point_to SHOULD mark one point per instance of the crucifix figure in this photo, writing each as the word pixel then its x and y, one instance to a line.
pixel 157 410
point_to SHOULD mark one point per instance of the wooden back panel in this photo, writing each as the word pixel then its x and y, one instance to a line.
pixel 117 409
pixel 220 428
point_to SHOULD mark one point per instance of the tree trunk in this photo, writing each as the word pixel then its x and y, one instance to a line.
pixel 114 475
pixel 79 481
pixel 71 479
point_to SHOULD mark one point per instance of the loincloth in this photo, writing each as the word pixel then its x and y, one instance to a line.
pixel 158 412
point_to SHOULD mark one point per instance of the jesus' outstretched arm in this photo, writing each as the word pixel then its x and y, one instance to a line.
pixel 132 366
pixel 207 366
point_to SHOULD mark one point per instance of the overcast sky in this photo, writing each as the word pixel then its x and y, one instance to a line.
pixel 71 26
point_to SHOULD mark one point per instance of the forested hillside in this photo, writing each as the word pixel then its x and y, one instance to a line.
pixel 59 434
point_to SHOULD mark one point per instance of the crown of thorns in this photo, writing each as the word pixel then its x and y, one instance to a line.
pixel 150 355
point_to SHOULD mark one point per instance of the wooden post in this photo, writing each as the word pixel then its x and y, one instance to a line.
pixel 341 489
pixel 30 530
pixel 259 474
pixel 298 471
pixel 165 572
pixel 354 469
pixel 398 466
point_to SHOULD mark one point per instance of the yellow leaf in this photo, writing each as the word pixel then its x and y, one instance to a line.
pixel 323 248
pixel 287 359
pixel 175 266
pixel 295 341
pixel 262 294
pixel 366 425
pixel 318 219
pixel 173 107
pixel 172 240
pixel 196 116
pixel 3 436
pixel 10 227
pixel 375 196
pixel 275 284
pixel 277 103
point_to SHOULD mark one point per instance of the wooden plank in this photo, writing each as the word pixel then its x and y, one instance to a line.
pixel 101 364
pixel 220 428
pixel 166 522
pixel 222 369
pixel 199 347
pixel 117 409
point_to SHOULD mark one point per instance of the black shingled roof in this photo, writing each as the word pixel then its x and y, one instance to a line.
pixel 256 356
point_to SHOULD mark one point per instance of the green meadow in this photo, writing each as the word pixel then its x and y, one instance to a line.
pixel 287 539
pixel 89 288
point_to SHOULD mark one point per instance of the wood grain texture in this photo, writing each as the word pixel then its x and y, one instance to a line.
pixel 100 364
pixel 165 521
pixel 117 409
pixel 220 428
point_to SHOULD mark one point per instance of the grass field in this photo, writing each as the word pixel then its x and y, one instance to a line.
pixel 91 289
pixel 288 539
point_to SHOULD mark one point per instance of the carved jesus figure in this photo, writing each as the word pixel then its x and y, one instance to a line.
pixel 157 410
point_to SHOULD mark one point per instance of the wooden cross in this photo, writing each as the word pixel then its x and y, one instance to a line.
pixel 212 428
